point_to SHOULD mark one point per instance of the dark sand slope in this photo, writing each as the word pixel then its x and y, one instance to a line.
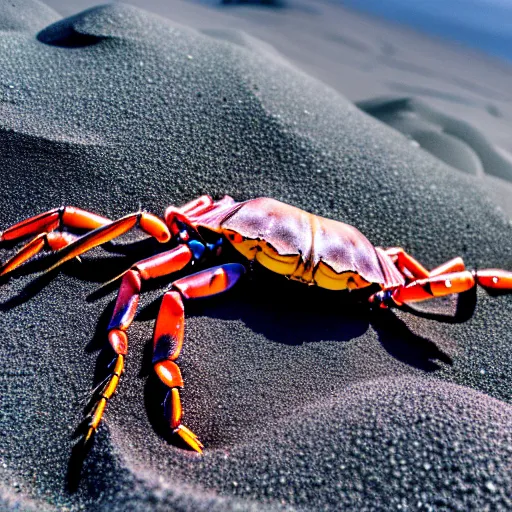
pixel 303 401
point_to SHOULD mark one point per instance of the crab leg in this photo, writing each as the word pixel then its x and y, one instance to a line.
pixel 410 266
pixel 65 216
pixel 169 332
pixel 44 226
pixel 169 328
pixel 442 284
pixel 124 313
pixel 454 282
pixel 53 240
pixel 494 278
pixel 151 224
pixel 103 230
pixel 453 265
pixel 434 286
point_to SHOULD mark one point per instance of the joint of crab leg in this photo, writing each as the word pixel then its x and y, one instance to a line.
pixel 154 226
pixel 382 299
pixel 405 261
pixel 94 238
pixel 127 302
pixel 494 278
pixel 58 239
pixel 118 341
pixel 169 373
pixel 114 379
pixel 173 414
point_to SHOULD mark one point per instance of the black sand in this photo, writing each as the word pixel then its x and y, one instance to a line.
pixel 303 400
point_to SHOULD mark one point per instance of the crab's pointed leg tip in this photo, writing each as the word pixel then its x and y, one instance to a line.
pixel 88 436
pixel 189 438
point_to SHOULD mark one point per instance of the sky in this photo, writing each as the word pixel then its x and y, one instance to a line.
pixel 482 24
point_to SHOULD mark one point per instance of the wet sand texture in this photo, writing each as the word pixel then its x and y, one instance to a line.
pixel 304 401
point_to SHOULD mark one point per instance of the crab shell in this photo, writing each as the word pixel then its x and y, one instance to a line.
pixel 302 246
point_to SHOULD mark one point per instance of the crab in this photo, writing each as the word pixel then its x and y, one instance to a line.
pixel 284 239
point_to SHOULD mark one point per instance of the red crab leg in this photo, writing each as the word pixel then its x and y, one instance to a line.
pixel 405 261
pixel 169 332
pixel 151 224
pixel 435 286
pixel 124 313
pixel 103 230
pixel 54 240
pixel 453 282
pixel 200 204
pixel 494 278
pixel 65 216
pixel 409 265
pixel 43 225
pixel 453 265
pixel 169 328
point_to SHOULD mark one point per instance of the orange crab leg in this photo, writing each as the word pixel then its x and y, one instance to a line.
pixel 103 230
pixel 26 252
pixel 442 282
pixel 405 261
pixel 47 221
pixel 169 332
pixel 124 313
pixel 167 343
pixel 407 264
pixel 149 223
pixel 435 286
pixel 55 240
pixel 453 265
pixel 43 225
pixel 494 278
pixel 164 263
pixel 454 282
pixel 67 216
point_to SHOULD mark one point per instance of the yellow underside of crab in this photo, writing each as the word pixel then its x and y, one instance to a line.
pixel 296 269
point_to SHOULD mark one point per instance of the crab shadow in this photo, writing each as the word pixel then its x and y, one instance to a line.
pixel 290 313
pixel 293 314
pixel 283 311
